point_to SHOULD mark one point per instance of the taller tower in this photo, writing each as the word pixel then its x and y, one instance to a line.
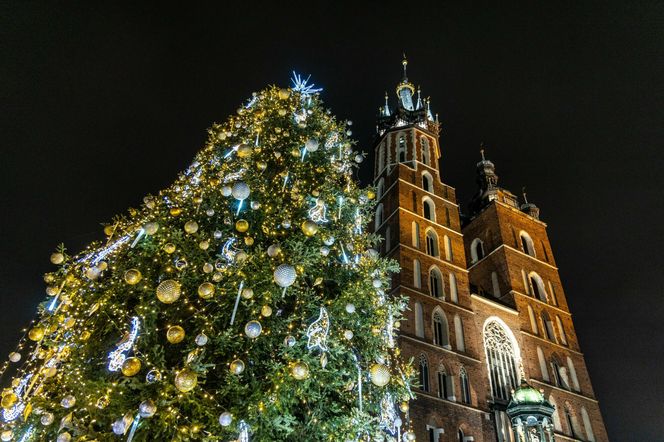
pixel 469 328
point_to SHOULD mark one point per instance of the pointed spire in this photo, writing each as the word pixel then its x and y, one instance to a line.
pixel 429 115
pixel 386 110
pixel 404 62
pixel 482 150
pixel 418 106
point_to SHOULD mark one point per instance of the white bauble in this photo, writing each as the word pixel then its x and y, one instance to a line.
pixel 225 419
pixel 240 190
pixel 285 275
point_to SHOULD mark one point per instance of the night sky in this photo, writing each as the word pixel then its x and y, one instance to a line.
pixel 100 106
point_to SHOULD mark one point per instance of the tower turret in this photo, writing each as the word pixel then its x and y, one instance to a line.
pixel 530 414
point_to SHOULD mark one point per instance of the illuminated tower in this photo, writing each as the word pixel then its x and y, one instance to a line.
pixel 485 297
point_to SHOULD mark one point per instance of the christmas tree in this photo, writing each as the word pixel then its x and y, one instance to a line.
pixel 245 302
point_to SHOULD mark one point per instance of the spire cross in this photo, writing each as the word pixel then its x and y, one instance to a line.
pixel 404 62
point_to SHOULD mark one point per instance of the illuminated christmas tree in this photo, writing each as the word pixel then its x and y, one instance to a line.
pixel 245 302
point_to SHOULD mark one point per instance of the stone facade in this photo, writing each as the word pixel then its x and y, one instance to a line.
pixel 486 302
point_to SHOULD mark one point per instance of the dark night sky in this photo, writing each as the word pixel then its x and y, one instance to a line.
pixel 100 106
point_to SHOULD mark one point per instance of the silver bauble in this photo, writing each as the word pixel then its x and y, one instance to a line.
pixel 240 190
pixel 225 419
pixel 226 190
pixel 201 339
pixel 253 329
pixel 147 408
pixel 285 275
pixel 311 145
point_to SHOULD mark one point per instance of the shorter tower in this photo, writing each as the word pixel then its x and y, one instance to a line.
pixel 530 414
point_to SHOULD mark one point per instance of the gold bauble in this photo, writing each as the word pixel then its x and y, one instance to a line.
pixel 266 311
pixel 242 225
pixel 168 291
pixel 198 199
pixel 151 228
pixel 261 165
pixel 9 399
pixel 102 265
pixel 36 334
pixel 131 366
pixel 309 228
pixel 249 240
pixel 175 211
pixel 49 372
pixel 175 334
pixel 237 366
pixel 282 112
pixel 206 290
pixel 85 335
pixel 132 276
pixel 191 227
pixel 295 152
pixel 204 245
pixel 57 258
pixel 284 94
pixel 404 407
pixel 380 374
pixel 186 380
pixel 244 151
pixel 169 248
pixel 371 194
pixel 108 230
pixel 69 322
pixel 300 370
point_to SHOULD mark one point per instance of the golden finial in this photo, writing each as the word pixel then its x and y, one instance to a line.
pixel 482 150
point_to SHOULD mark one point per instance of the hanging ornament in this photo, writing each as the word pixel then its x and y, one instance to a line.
pixel 201 339
pixel 186 380
pixel 168 291
pixel 225 419
pixel 247 293
pixel 311 145
pixel 300 370
pixel 290 341
pixel 147 408
pixel 68 401
pixel 348 334
pixel 206 290
pixel 64 437
pixel 14 356
pixel 318 330
pixel 180 263
pixel 237 367
pixel 153 376
pixel 151 228
pixel 242 225
pixel 266 311
pixel 309 228
pixel 285 275
pixel 209 212
pixel 208 268
pixel 240 191
pixel 253 329
pixel 273 250
pixel 131 366
pixel 132 276
pixel 169 248
pixel 47 419
pixel 7 435
pixel 284 94
pixel 175 211
pixel 103 402
pixel 175 334
pixel 323 360
pixel 350 308
pixel 57 258
pixel 324 251
pixel 191 227
pixel 380 374
pixel 9 399
pixel 204 245
pixel 36 334
pixel 244 151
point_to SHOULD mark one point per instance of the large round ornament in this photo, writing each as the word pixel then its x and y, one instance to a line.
pixel 14 356
pixel 253 329
pixel 285 275
pixel 240 190
pixel 151 228
pixel 225 419
pixel 147 408
pixel 380 374
pixel 311 145
pixel 36 334
pixel 57 258
pixel 309 227
pixel 175 334
pixel 175 211
pixel 9 399
pixel 290 341
pixel 300 370
pixel 242 225
pixel 247 293
pixel 6 435
pixel 191 227
pixel 169 248
pixel 201 339
pixel 132 276
pixel 273 250
pixel 168 291
pixel 68 401
pixel 237 366
pixel 131 366
pixel 266 311
pixel 226 191
pixel 244 151
pixel 186 380
pixel 284 94
pixel 206 290
pixel 64 437
pixel 47 419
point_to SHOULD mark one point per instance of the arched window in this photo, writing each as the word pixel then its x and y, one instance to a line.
pixel 429 209
pixel 533 321
pixel 441 334
pixel 458 331
pixel 476 250
pixel 537 287
pixel 454 292
pixel 552 294
pixel 445 384
pixel 572 374
pixel 494 285
pixel 542 363
pixel 448 249
pixel 415 232
pixel 460 436
pixel 379 217
pixel 417 274
pixel 380 189
pixel 427 182
pixel 419 320
pixel 556 417
pixel 402 149
pixel 501 355
pixel 572 421
pixel 436 283
pixel 559 374
pixel 561 330
pixel 548 326
pixel 426 153
pixel 424 373
pixel 432 243
pixel 465 386
pixel 527 243
pixel 590 435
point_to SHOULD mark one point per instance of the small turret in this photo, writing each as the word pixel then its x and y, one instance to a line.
pixel 531 414
pixel 529 208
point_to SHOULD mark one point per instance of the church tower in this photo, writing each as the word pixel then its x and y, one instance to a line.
pixel 472 303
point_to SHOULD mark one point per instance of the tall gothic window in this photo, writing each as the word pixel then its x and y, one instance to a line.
pixel 424 373
pixel 527 243
pixel 443 391
pixel 402 149
pixel 501 356
pixel 436 283
pixel 465 386
pixel 432 243
pixel 426 153
pixel 427 182
pixel 476 250
pixel 429 209
pixel 441 334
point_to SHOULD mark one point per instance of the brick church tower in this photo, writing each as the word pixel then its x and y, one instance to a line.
pixel 487 310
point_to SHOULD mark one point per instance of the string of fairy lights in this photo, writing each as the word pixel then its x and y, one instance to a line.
pixel 246 302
